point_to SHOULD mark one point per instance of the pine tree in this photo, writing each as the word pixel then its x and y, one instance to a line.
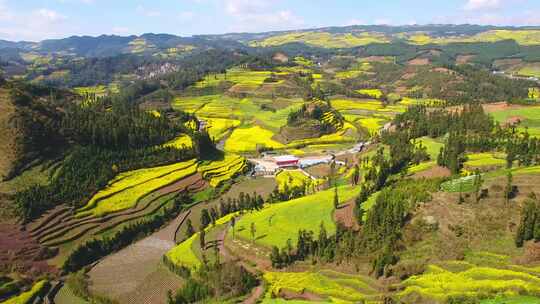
pixel 202 239
pixel 253 230
pixel 336 198
pixel 189 229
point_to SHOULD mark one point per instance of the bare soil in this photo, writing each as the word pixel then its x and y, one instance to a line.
pixel 464 59
pixel 419 61
pixel 20 252
pixel 436 171
pixel 345 215
pixel 135 274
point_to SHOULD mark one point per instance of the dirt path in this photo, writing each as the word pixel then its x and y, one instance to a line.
pixel 257 292
pixel 135 274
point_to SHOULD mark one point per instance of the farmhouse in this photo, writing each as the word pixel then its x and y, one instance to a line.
pixel 285 161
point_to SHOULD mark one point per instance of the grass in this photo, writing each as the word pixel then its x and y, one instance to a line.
pixel 314 282
pixel 125 190
pixel 433 146
pixel 185 253
pixel 247 138
pixel 421 167
pixel 28 296
pixel 278 222
pixel 485 159
pixel 475 282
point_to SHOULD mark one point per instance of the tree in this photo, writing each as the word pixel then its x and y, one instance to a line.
pixel 477 184
pixel 233 223
pixel 253 230
pixel 508 189
pixel 202 239
pixel 356 175
pixel 205 219
pixel 189 229
pixel 336 198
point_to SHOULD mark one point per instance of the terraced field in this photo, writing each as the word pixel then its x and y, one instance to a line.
pixel 323 39
pixel 30 295
pixel 474 281
pixel 329 286
pixel 128 188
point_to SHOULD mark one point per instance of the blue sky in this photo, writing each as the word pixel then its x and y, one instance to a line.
pixel 41 19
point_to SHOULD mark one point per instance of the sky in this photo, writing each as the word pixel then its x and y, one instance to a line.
pixel 35 20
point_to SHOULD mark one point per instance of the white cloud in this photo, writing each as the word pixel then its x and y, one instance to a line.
pixel 49 15
pixel 473 5
pixel 147 12
pixel 382 21
pixel 354 22
pixel 186 16
pixel 120 30
pixel 260 15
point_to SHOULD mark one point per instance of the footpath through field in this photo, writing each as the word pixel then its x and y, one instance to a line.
pixel 135 274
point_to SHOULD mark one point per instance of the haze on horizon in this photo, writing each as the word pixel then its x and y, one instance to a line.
pixel 36 20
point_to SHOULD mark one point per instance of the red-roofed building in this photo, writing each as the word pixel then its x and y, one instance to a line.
pixel 286 161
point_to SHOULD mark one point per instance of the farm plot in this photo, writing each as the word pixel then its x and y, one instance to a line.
pixel 29 296
pixel 181 142
pixel 433 146
pixel 281 221
pixel 247 138
pixel 485 159
pixel 337 288
pixel 238 76
pixel 373 93
pixel 186 253
pixel 526 116
pixel 218 127
pixel 219 171
pixel 292 179
pixel 128 188
pixel 439 284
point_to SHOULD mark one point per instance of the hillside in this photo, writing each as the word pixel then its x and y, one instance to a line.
pixel 358 164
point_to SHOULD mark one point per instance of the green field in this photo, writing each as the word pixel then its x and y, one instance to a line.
pixel 288 217
pixel 433 146
pixel 529 117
